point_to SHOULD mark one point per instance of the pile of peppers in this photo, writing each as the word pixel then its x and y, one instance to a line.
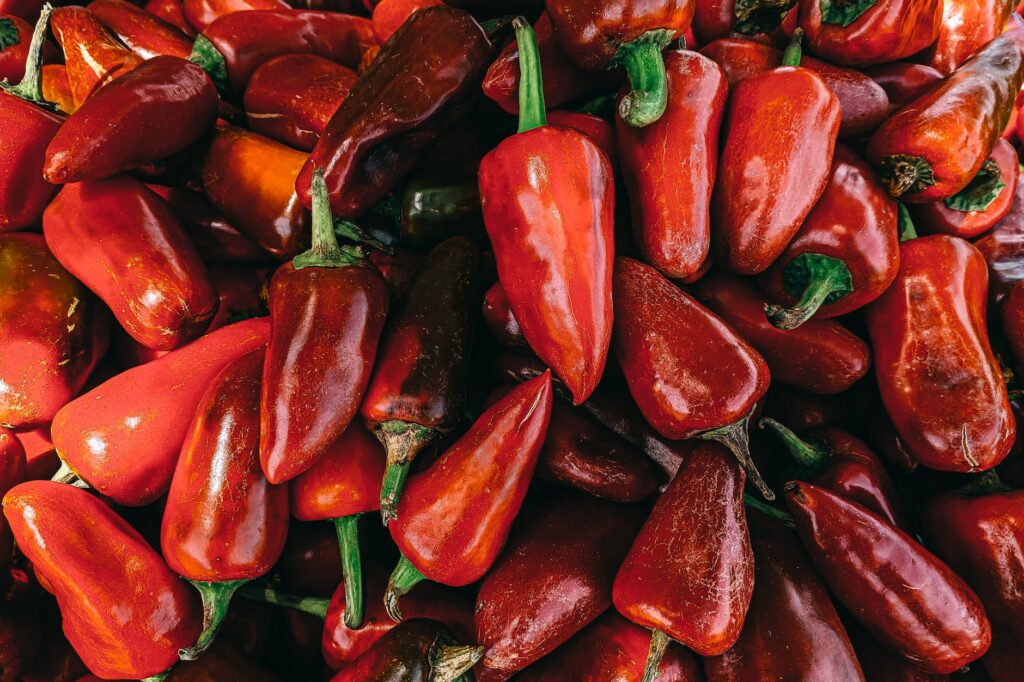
pixel 536 340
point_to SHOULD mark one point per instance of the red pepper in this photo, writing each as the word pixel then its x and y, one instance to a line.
pixel 932 148
pixel 53 331
pixel 454 518
pixel 500 321
pixel 940 382
pixel 201 13
pixel 670 166
pixel 598 129
pixel 291 98
pixel 553 579
pixel 398 269
pixel 1012 313
pixel 223 523
pixel 144 34
pixel 696 541
pixel 216 240
pixel 967 25
pixel 672 384
pixel 595 36
pixel 768 182
pixel 327 309
pixel 820 356
pixel 165 298
pixel 93 56
pixel 122 609
pixel 904 82
pixel 844 255
pixel 548 204
pixel 15 39
pixel 124 436
pixel 57 89
pixel 1003 249
pixel 870 31
pixel 792 630
pixel 901 593
pixel 42 461
pixel 761 19
pixel 13 470
pixel 172 12
pixel 877 428
pixel 389 15
pixel 29 10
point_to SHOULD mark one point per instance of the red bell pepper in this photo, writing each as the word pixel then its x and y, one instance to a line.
pixel 389 15
pixel 555 264
pixel 122 609
pixel 171 12
pixel 124 436
pixel 13 470
pixel 904 82
pixel 870 31
pixel 768 183
pixel 454 518
pixel 216 240
pixel 93 56
pixel 967 25
pixel 1003 249
pixel 143 33
pixel 939 380
pixel 199 14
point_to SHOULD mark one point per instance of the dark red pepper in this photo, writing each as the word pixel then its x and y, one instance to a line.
pixel 967 25
pixel 216 240
pixel 15 40
pixel 904 82
pixel 93 56
pixel 1003 249
pixel 201 13
pixel 13 470
pixel 500 321
pixel 869 31
pixel 804 411
pixel 756 20
pixel 389 15
pixel 170 11
pixel 143 33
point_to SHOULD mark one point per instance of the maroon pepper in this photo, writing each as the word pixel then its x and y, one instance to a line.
pixel 1003 249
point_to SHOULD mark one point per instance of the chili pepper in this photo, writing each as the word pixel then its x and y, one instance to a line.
pixel 820 356
pixel 418 86
pixel 217 539
pixel 715 19
pixel 904 82
pixel 695 540
pixel 53 332
pixel 671 384
pixel 92 54
pixel 327 309
pixel 143 33
pixel 291 98
pixel 500 321
pixel 201 13
pixel 1003 249
pixel 15 36
pixel 220 663
pixel 670 166
pixel 874 424
pixel 13 470
pixel 631 34
pixel 172 12
pixel 870 31
pixel 455 516
pixel 57 89
pixel 965 28
pixel 554 578
pixel 231 48
pixel 792 631
pixel 844 255
pixel 567 248
pixel 124 436
pixel 125 613
pixel 913 149
pixel 440 201
pixel 598 129
pixel 389 15
pixel 939 380
pixel 41 459
pixel 165 299
pixel 216 240
pixel 901 593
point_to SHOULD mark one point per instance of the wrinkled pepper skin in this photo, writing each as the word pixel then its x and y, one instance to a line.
pixel 417 87
pixel 904 82
pixel 124 436
pixel 792 630
pixel 13 470
pixel 201 13
pixel 164 297
pixel 24 193
pixel 670 166
pixel 1003 249
pixel 696 540
pixel 126 125
pixel 554 578
pixel 216 240
pixel 933 147
pixel 967 25
pixel 171 12
pixel 405 653
pixel 144 34
pixel 939 379
pixel 53 331
pixel 887 30
pixel 93 56
pixel 291 98
pixel 778 139
pixel 901 593
pixel 122 609
pixel 819 356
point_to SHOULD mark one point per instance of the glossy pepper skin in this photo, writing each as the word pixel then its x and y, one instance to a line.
pixel 126 124
pixel 844 255
pixel 291 98
pixel 201 13
pixel 57 89
pixel 13 470
pixel 422 81
pixel 165 298
pixel 122 609
pixel 144 34
pixel 124 436
pixel 792 630
pixel 554 578
pixel 15 37
pixel 1012 313
pixel 901 593
pixel 939 380
pixel 914 149
pixel 53 331
pixel 904 82
pixel 170 11
pixel 441 200
pixel 93 56
pixel 389 15
pixel 670 166
pixel 1003 249
pixel 779 135
pixel 761 20
pixel 216 240
pixel 870 31
pixel 967 25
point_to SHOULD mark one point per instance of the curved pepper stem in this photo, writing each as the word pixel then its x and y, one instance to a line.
pixel 817 280
pixel 403 578
pixel 645 67
pixel 532 113
pixel 449 662
pixel 768 510
pixel 902 173
pixel 794 51
pixel 347 528
pixel 209 59
pixel 905 225
pixel 735 437
pixel 803 452
pixel 216 599
pixel 314 606
pixel 325 252
pixel 31 86
pixel 402 441
pixel 980 192
pixel 659 643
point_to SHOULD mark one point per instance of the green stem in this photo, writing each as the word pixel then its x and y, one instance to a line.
pixel 816 279
pixel 216 599
pixel 449 661
pixel 159 677
pixel 347 528
pixel 985 483
pixel 31 86
pixel 325 252
pixel 352 232
pixel 402 441
pixel 210 60
pixel 403 578
pixel 905 225
pixel 602 107
pixel 980 192
pixel 312 605
pixel 532 113
pixel 768 510
pixel 735 437
pixel 803 452
pixel 648 96
pixel 659 643
pixel 794 51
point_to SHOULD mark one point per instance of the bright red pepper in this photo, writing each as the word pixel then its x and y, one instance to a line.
pixel 171 12
pixel 454 518
pixel 201 13
pixel 904 82
pixel 93 56
pixel 41 458
pixel 967 25
pixel 901 593
pixel 216 240
pixel 940 382
pixel 389 15
pixel 758 20
pixel 13 470
pixel 143 33
pixel 15 39
pixel 870 31
pixel 123 610
pixel 124 436
pixel 554 263
pixel 1003 249
pixel 598 129
pixel 779 135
